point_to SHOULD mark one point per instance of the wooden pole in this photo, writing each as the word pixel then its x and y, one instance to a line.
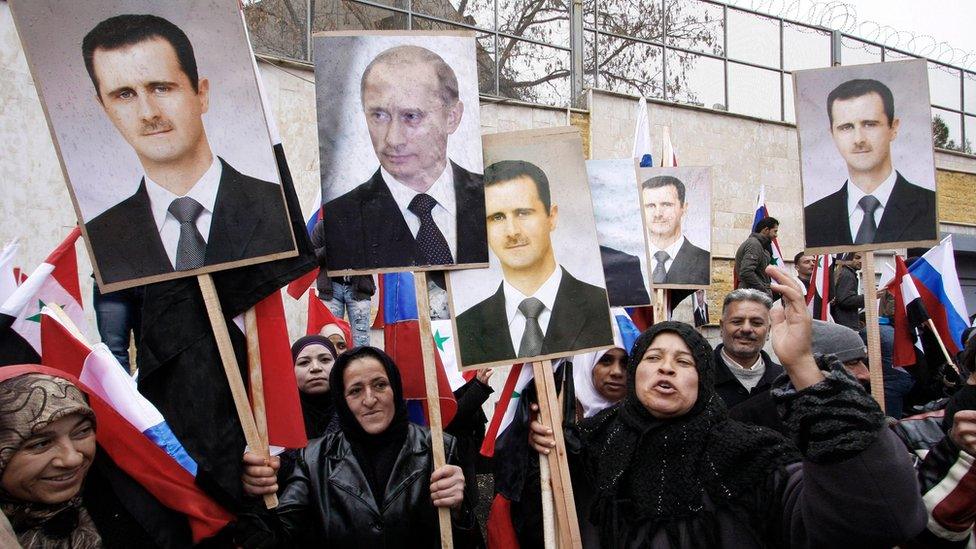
pixel 232 372
pixel 945 352
pixel 660 305
pixel 548 516
pixel 433 396
pixel 873 329
pixel 255 375
pixel 550 415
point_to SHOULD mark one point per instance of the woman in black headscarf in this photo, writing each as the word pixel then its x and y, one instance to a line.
pixel 372 483
pixel 313 357
pixel 668 468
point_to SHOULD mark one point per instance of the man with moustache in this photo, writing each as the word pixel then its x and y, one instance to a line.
pixel 742 368
pixel 539 304
pixel 876 204
pixel 674 259
pixel 804 264
pixel 419 208
pixel 192 208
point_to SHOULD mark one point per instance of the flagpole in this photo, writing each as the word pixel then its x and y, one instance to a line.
pixel 433 396
pixel 873 329
pixel 256 376
pixel 945 352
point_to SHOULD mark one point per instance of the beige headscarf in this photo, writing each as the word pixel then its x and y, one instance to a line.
pixel 29 403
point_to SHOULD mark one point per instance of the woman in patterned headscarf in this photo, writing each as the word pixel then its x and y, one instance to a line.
pixel 47 445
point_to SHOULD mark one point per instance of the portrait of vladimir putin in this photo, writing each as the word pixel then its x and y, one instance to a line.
pixel 419 208
pixel 540 308
pixel 192 209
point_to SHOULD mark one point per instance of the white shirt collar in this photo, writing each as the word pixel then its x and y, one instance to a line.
pixel 733 364
pixel 671 250
pixel 546 294
pixel 442 191
pixel 203 191
pixel 882 193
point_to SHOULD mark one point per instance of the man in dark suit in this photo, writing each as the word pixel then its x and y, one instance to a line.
pixel 539 306
pixel 192 208
pixel 674 259
pixel 625 283
pixel 419 208
pixel 876 204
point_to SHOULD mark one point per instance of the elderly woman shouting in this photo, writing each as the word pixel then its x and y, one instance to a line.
pixel 373 483
pixel 668 468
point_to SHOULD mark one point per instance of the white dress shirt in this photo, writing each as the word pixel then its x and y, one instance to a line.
pixel 671 250
pixel 855 194
pixel 444 213
pixel 203 191
pixel 748 377
pixel 513 298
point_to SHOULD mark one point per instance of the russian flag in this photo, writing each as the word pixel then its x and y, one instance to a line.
pixel 401 333
pixel 53 281
pixel 130 428
pixel 938 285
pixel 910 314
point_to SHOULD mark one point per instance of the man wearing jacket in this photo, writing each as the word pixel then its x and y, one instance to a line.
pixel 755 254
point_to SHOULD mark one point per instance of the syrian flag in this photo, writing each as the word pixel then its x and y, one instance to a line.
pixel 444 345
pixel 518 377
pixel 8 274
pixel 624 335
pixel 130 428
pixel 938 285
pixel 54 281
pixel 910 314
pixel 401 336
pixel 818 294
pixel 319 316
pixel 14 349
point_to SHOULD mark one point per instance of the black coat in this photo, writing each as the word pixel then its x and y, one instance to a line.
pixel 728 387
pixel 847 303
pixel 691 265
pixel 625 283
pixel 364 229
pixel 327 501
pixel 908 216
pixel 580 320
pixel 249 220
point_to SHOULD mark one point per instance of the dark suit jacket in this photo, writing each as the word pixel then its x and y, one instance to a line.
pixel 692 265
pixel 908 216
pixel 364 228
pixel 625 285
pixel 731 390
pixel 580 320
pixel 249 220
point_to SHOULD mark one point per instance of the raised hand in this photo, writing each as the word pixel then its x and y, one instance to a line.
pixel 792 332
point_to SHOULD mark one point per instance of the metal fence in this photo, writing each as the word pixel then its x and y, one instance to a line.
pixel 686 51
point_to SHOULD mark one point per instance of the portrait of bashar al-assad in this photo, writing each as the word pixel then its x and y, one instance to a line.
pixel 539 308
pixel 419 208
pixel 185 209
pixel 878 198
pixel 667 197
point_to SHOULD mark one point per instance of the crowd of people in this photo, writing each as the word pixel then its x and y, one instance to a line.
pixel 678 445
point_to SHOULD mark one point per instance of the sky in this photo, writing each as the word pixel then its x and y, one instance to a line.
pixel 949 21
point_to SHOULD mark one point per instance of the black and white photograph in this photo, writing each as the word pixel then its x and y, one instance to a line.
pixel 400 151
pixel 158 122
pixel 866 156
pixel 544 288
pixel 616 208
pixel 677 213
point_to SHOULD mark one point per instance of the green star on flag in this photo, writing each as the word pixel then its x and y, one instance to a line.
pixel 439 340
pixel 37 317
pixel 774 261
